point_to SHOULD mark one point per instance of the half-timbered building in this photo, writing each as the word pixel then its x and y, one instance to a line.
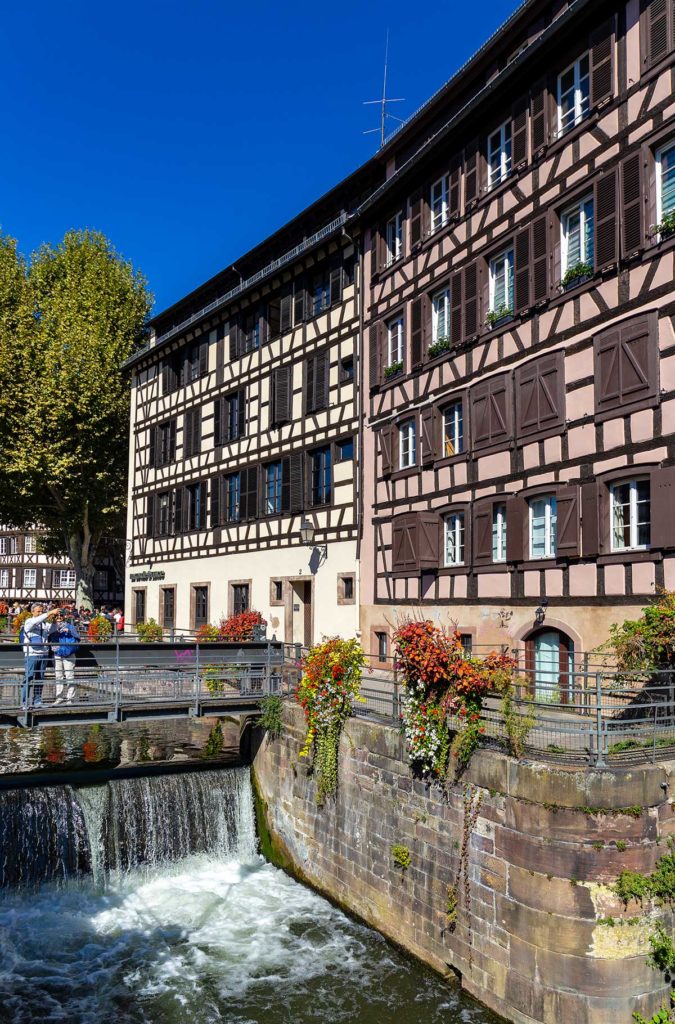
pixel 519 355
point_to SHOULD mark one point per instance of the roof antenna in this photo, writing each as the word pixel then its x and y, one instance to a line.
pixel 384 101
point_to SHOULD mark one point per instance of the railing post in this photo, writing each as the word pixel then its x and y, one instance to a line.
pixel 599 740
pixel 197 681
pixel 118 681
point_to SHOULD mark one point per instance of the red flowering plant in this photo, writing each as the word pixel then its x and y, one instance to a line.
pixel 439 681
pixel 329 685
pixel 239 628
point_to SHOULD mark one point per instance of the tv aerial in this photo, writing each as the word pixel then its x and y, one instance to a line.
pixel 383 102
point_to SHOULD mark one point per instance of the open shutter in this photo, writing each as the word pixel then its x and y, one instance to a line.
pixel 286 485
pixel 386 443
pixel 200 523
pixel 281 394
pixel 602 63
pixel 663 507
pixel 152 454
pixel 274 317
pixel 310 377
pixel 430 433
pixel 540 388
pixel 296 497
pixel 632 200
pixel 234 338
pixel 321 367
pixel 456 308
pixel 428 540
pixel 286 313
pixel 539 116
pixel 482 532
pixel 150 515
pixel 203 357
pixel 179 510
pixel 521 274
pixel 336 285
pixel 420 318
pixel 471 315
pixel 172 440
pixel 218 435
pixel 376 250
pixel 589 519
pixel 606 222
pixel 519 131
pixel 657 30
pixel 187 434
pixel 300 304
pixel 242 413
pixel 539 257
pixel 249 493
pixel 516 527
pixel 471 172
pixel 196 431
pixel 567 504
pixel 417 226
pixel 215 500
pixel 374 352
pixel 454 191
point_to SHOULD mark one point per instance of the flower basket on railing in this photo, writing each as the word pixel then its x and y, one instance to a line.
pixel 99 630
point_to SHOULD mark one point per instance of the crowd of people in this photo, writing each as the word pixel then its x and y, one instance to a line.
pixel 81 616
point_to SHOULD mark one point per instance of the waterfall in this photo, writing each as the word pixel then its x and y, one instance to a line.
pixel 50 834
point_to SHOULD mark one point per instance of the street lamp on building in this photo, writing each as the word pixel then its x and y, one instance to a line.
pixel 307 534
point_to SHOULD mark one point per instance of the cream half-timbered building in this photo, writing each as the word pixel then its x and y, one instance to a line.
pixel 27 574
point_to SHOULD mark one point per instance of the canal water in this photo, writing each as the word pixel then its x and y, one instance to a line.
pixel 145 901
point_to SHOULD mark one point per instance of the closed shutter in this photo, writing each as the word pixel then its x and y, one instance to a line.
pixel 517 514
pixel 249 493
pixel 295 470
pixel 172 439
pixel 152 454
pixel 482 532
pixel 203 357
pixel 374 351
pixel 602 63
pixel 454 192
pixel 539 116
pixel 663 507
pixel 590 519
pixel 471 314
pixel 336 285
pixel 626 366
pixel 606 221
pixel 386 442
pixel 404 547
pixel 471 172
pixel 657 30
pixel 428 540
pixel 286 312
pixel 286 485
pixel 567 544
pixel 420 323
pixel 632 200
pixel 521 272
pixel 491 416
pixel 216 483
pixel 539 256
pixel 430 434
pixel 274 317
pixel 540 390
pixel 456 308
pixel 281 394
pixel 300 303
pixel 417 218
pixel 519 131
pixel 150 515
pixel 179 510
pixel 234 339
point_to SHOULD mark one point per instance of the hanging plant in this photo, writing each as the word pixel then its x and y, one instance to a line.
pixel 330 683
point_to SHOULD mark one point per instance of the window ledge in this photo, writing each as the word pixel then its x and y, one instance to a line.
pixel 401 474
pixel 454 570
pixel 575 288
pixel 491 567
pixel 542 563
pixel 626 557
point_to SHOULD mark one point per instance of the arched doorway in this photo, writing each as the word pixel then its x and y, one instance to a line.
pixel 549 661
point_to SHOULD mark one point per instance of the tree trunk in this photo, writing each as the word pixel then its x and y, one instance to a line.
pixel 81 549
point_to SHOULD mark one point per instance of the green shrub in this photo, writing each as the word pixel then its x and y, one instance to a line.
pixel 401 856
pixel 149 632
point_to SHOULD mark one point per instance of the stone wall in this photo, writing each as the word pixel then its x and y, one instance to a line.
pixel 539 860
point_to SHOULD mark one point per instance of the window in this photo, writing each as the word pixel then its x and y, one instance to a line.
pixel 407 445
pixel 394 238
pixel 196 506
pixel 453 429
pixel 395 343
pixel 168 606
pixel 317 382
pixel 29 577
pixel 321 480
pixel 273 475
pixel 30 544
pixel 466 640
pixel 630 512
pixel 7 545
pixel 499 533
pixel 665 182
pixel 499 155
pixel 347 368
pixel 454 538
pixel 501 284
pixel 232 497
pixel 194 365
pixel 201 598
pixel 250 331
pixel 382 641
pixel 439 203
pixel 139 606
pixel 320 297
pixel 345 450
pixel 101 580
pixel 4 578
pixel 440 316
pixel 165 443
pixel 573 94
pixel 277 590
pixel 348 588
pixel 543 527
pixel 240 598
pixel 235 415
pixel 66 578
pixel 192 433
pixel 577 236
pixel 164 509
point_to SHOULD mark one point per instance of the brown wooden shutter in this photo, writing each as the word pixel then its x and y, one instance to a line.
pixel 281 394
pixel 521 272
pixel 196 431
pixel 336 285
pixel 482 532
pixel 430 434
pixel 657 30
pixel 471 314
pixel 218 435
pixel 187 434
pixel 203 357
pixel 491 415
pixel 180 508
pixel 471 172
pixel 286 485
pixel 234 338
pixel 539 257
pixel 519 132
pixel 309 375
pixel 242 413
pixel 662 494
pixel 215 501
pixel 540 391
pixel 420 323
pixel 374 354
pixel 428 540
pixel 632 200
pixel 386 443
pixel 152 454
pixel 626 365
pixel 606 221
pixel 539 116
pixel 417 206
pixel 321 369
pixel 456 308
pixel 248 504
pixel 300 302
pixel 454 191
pixel 286 313
pixel 150 515
pixel 517 521
pixel 297 494
pixel 200 519
pixel 172 439
pixel 274 317
pixel 590 520
pixel 567 511
pixel 376 249
pixel 602 63
pixel 404 544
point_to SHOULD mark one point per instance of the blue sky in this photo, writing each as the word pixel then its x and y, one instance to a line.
pixel 187 132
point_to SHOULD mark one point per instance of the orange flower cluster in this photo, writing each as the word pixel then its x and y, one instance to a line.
pixel 239 628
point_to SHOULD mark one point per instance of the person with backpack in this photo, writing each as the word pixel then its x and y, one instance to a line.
pixel 34 635
pixel 64 640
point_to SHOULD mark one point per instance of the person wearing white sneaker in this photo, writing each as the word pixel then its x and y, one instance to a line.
pixel 64 640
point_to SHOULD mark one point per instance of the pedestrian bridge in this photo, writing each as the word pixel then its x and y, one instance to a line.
pixel 124 681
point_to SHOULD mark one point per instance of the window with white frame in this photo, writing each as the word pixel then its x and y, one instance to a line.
pixel 499 155
pixel 453 429
pixel 439 203
pixel 543 527
pixel 576 225
pixel 29 577
pixel 7 545
pixel 273 488
pixel 454 538
pixel 440 315
pixel 665 183
pixel 574 94
pixel 407 445
pixel 501 283
pixel 499 533
pixel 395 341
pixel 4 578
pixel 66 578
pixel 30 543
pixel 394 237
pixel 630 515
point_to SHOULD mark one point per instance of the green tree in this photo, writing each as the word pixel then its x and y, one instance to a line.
pixel 68 321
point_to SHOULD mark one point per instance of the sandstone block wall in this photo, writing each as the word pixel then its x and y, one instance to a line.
pixel 533 945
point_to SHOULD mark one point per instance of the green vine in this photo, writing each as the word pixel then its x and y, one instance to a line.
pixel 271 715
pixel 662 1016
pixel 471 803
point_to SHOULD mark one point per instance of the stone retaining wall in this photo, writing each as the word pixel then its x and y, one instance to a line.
pixel 538 861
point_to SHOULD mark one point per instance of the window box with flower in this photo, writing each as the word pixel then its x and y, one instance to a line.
pixel 438 347
pixel 393 369
pixel 498 317
pixel 576 275
pixel 665 228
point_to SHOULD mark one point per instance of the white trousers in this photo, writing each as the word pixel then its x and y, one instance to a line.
pixel 64 669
